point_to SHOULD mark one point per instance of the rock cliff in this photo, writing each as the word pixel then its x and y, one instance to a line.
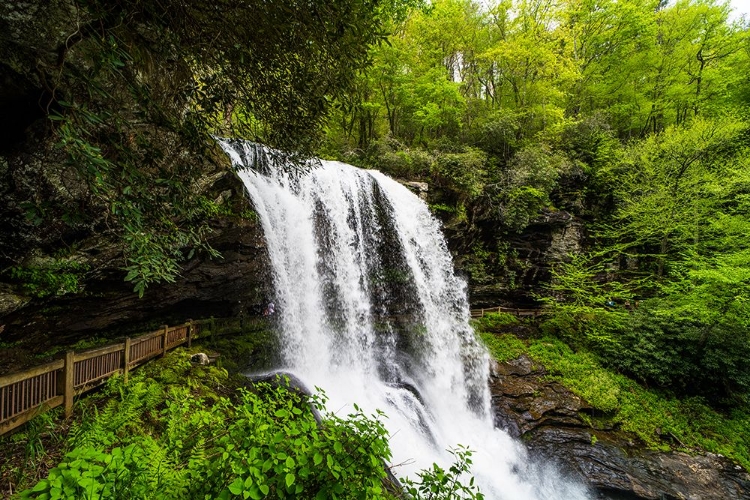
pixel 548 418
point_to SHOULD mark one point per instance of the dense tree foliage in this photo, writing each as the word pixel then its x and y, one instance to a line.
pixel 136 89
pixel 628 114
pixel 501 72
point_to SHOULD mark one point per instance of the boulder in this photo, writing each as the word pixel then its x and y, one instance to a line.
pixel 200 358
pixel 547 417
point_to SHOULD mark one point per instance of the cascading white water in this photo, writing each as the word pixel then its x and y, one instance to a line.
pixel 370 310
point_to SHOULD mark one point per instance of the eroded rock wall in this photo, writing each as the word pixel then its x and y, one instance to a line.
pixel 549 419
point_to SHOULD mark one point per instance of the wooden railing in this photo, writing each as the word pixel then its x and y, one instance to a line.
pixel 528 313
pixel 25 394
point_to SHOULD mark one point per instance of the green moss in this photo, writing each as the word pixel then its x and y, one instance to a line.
pixel 241 343
pixel 659 419
pixel 580 372
pixel 81 345
pixel 503 347
pixel 495 322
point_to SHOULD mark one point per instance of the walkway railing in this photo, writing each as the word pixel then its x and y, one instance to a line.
pixel 26 394
pixel 527 313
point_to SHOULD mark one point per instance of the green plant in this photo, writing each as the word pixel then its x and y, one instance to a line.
pixel 503 347
pixel 441 207
pixel 56 277
pixel 495 321
pixel 172 432
pixel 437 483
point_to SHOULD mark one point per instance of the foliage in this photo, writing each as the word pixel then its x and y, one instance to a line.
pixel 673 239
pixel 661 420
pixel 140 89
pixel 266 442
pixel 662 345
pixel 438 484
pixel 495 321
pixel 510 70
pixel 56 277
pixel 503 347
pixel 462 172
pixel 172 432
pixel 517 193
pixel 477 263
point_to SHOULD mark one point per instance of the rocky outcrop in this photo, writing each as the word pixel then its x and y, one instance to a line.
pixel 419 188
pixel 237 282
pixel 512 268
pixel 547 417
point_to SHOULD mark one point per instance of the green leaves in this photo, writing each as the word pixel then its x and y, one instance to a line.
pixel 437 483
pixel 267 443
pixel 677 238
pixel 144 96
pixel 50 277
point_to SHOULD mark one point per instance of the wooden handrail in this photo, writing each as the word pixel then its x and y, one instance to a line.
pixel 12 378
pixel 99 351
pixel 27 393
pixel 479 313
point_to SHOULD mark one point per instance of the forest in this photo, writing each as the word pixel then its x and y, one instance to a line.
pixel 629 117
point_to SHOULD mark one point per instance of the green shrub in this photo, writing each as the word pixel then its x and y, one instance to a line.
pixel 461 172
pixel 170 433
pixel 56 277
pixel 440 484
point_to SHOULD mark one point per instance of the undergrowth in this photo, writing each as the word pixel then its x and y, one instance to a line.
pixel 659 419
pixel 179 430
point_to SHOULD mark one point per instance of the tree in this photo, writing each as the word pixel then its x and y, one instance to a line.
pixel 677 243
pixel 139 88
pixel 662 188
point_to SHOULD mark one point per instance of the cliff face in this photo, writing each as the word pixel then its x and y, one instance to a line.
pixel 105 305
pixel 512 268
pixel 62 240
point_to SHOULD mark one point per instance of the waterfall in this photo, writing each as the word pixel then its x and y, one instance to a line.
pixel 369 309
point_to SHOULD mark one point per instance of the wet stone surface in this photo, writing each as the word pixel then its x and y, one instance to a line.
pixel 547 417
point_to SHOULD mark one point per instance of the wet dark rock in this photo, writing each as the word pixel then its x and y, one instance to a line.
pixel 419 188
pixel 547 417
pixel 515 266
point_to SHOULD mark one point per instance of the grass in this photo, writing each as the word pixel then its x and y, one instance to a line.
pixel 660 420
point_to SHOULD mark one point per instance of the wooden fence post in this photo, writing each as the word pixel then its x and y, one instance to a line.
pixel 69 391
pixel 126 357
pixel 164 340
pixel 189 332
